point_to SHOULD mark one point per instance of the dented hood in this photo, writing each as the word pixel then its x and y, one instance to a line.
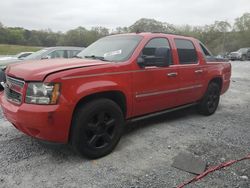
pixel 37 70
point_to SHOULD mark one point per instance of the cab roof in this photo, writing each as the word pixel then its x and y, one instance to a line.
pixel 157 34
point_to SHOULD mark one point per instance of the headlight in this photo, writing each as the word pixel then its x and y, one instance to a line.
pixel 42 93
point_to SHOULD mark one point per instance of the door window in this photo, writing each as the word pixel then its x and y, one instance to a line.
pixel 58 54
pixel 152 45
pixel 72 53
pixel 186 51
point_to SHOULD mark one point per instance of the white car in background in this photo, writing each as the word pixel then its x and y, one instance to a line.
pixel 21 55
pixel 46 53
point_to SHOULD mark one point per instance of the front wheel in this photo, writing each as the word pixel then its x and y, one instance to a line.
pixel 97 128
pixel 210 101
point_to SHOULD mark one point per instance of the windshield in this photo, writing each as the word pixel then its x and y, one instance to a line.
pixel 36 55
pixel 17 55
pixel 242 50
pixel 112 48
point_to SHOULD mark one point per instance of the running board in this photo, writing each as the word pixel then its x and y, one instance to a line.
pixel 161 112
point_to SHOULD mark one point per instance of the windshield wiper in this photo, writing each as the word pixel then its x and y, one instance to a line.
pixel 96 57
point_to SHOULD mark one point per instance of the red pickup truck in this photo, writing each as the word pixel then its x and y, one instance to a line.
pixel 85 101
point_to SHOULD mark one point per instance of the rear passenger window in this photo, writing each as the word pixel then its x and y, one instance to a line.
pixel 72 53
pixel 58 54
pixel 186 51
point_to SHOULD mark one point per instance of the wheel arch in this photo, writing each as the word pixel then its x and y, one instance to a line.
pixel 115 95
pixel 218 80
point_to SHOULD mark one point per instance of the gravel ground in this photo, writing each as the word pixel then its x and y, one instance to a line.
pixel 144 156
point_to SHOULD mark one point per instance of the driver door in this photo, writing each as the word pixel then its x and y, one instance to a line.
pixel 154 88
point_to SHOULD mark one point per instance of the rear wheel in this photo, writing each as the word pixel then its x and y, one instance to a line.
pixel 244 58
pixel 97 128
pixel 210 101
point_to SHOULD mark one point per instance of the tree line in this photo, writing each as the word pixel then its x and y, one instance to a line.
pixel 220 37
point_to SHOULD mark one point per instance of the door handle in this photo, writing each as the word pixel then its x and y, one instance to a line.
pixel 198 71
pixel 172 74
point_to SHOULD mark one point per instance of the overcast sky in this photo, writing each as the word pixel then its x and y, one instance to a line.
pixel 60 15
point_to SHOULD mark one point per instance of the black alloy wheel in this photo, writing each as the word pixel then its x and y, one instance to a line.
pixel 210 101
pixel 100 129
pixel 213 99
pixel 96 128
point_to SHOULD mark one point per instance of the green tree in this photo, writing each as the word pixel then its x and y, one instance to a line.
pixel 241 32
pixel 2 34
pixel 242 23
pixel 34 41
pixel 75 37
pixel 15 36
pixel 121 30
pixel 151 25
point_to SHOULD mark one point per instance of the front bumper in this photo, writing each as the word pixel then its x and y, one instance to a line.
pixel 45 122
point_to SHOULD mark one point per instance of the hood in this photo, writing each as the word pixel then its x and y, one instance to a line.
pixel 235 53
pixel 5 58
pixel 37 70
pixel 4 63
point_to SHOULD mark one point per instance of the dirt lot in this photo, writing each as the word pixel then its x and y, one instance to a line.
pixel 145 154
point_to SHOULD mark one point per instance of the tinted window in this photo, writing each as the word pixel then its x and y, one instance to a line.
pixel 186 51
pixel 205 51
pixel 37 55
pixel 22 55
pixel 72 53
pixel 58 54
pixel 150 48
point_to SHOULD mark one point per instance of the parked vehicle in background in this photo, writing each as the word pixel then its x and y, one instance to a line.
pixel 242 54
pixel 55 52
pixel 21 55
pixel 46 53
pixel 85 101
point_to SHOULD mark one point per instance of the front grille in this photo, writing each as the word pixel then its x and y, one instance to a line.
pixel 13 90
pixel 13 96
pixel 15 81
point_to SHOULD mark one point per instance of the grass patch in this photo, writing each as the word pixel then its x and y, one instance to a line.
pixel 7 49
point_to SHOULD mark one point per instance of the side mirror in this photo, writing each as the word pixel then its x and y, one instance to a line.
pixel 141 61
pixel 161 58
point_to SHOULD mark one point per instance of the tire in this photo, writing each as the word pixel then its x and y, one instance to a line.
pixel 97 127
pixel 244 58
pixel 210 101
pixel 2 79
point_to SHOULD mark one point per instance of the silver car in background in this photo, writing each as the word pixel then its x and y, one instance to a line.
pixel 242 54
pixel 21 55
pixel 46 53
